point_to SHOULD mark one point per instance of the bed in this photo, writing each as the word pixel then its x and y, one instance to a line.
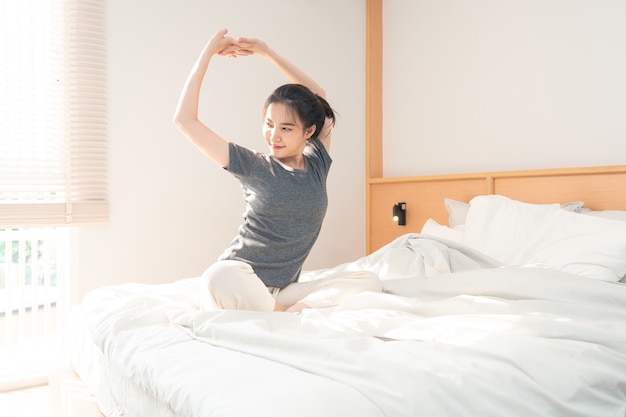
pixel 509 309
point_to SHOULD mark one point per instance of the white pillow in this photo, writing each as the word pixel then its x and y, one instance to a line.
pixel 457 210
pixel 432 228
pixel 575 206
pixel 518 233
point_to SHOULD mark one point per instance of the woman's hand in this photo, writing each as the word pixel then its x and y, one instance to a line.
pixel 250 46
pixel 221 44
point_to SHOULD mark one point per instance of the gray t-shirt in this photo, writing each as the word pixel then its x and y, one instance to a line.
pixel 285 208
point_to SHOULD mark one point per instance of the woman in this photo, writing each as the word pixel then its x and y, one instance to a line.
pixel 285 191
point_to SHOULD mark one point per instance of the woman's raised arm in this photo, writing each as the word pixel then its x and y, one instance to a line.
pixel 186 115
pixel 293 73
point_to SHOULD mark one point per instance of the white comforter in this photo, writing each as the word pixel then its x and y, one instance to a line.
pixel 453 335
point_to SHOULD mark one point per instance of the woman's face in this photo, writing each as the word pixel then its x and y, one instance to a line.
pixel 285 135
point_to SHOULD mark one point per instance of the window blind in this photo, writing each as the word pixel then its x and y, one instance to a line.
pixel 53 125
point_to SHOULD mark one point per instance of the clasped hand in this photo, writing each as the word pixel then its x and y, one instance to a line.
pixel 234 47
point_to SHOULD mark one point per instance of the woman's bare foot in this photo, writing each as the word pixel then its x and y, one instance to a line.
pixel 297 308
pixel 279 307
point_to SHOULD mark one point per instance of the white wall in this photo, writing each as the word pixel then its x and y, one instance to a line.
pixel 172 210
pixel 487 85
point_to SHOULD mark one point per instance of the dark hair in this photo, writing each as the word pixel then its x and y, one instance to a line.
pixel 310 108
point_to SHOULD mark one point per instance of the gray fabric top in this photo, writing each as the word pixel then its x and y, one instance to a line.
pixel 285 208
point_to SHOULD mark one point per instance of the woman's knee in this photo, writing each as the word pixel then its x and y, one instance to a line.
pixel 233 285
pixel 219 282
pixel 223 274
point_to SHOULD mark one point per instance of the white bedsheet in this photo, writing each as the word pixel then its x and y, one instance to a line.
pixel 455 335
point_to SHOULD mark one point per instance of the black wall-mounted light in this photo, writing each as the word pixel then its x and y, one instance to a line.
pixel 399 213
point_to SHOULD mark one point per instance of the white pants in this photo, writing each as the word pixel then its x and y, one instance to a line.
pixel 233 285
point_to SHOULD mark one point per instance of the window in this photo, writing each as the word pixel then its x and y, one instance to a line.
pixel 33 307
pixel 53 166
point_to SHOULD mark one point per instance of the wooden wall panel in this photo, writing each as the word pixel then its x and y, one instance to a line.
pixel 600 188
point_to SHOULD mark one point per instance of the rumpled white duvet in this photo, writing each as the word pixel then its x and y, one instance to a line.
pixel 454 334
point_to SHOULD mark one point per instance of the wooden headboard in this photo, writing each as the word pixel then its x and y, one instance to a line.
pixel 600 188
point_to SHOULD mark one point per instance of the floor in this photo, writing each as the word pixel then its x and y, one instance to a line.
pixel 31 402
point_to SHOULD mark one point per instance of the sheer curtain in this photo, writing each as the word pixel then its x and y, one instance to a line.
pixel 53 166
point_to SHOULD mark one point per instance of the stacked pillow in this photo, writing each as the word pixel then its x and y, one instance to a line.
pixel 564 237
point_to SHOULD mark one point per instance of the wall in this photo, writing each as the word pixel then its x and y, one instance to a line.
pixel 488 85
pixel 172 210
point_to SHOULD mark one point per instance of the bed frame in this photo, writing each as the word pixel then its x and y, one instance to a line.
pixel 600 187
